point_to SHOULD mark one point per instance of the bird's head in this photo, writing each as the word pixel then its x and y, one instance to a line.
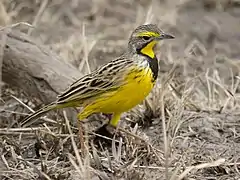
pixel 145 37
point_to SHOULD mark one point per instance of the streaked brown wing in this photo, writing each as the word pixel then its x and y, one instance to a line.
pixel 106 78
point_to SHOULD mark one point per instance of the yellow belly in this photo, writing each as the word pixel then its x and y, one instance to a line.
pixel 138 85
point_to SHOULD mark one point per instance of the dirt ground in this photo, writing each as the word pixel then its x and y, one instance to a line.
pixel 189 126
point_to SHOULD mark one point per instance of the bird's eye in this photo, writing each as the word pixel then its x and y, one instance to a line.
pixel 146 37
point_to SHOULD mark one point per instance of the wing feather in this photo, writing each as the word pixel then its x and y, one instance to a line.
pixel 106 78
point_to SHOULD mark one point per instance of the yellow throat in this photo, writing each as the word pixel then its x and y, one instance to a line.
pixel 148 49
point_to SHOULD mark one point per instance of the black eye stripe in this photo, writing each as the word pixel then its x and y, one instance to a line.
pixel 146 37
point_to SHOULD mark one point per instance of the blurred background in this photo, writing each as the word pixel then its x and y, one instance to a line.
pixel 206 31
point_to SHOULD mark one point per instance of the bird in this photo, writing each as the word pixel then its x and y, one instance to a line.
pixel 117 86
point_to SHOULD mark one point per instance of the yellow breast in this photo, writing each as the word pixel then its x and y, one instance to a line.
pixel 138 84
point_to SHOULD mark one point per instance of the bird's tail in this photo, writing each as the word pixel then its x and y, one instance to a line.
pixel 33 117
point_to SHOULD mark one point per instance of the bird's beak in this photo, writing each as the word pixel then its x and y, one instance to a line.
pixel 165 36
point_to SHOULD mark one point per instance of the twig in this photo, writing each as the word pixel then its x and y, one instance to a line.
pixel 16 24
pixel 16 133
pixel 72 139
pixel 22 103
pixel 165 139
pixel 151 167
pixel 39 15
pixel 201 166
pixel 23 129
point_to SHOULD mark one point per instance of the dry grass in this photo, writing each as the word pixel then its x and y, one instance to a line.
pixel 187 129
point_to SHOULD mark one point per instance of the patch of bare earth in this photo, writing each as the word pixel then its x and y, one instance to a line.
pixel 187 129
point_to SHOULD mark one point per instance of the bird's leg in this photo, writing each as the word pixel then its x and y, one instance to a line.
pixel 114 120
pixel 81 135
pixel 81 132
